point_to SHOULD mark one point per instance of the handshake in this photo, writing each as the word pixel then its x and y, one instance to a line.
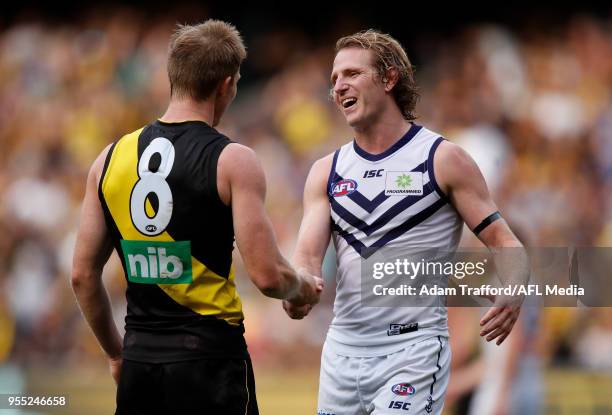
pixel 309 291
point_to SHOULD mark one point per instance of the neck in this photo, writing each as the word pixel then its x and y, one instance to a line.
pixel 381 134
pixel 187 109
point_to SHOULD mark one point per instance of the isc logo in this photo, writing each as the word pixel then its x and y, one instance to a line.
pixel 153 262
pixel 344 187
pixel 372 173
pixel 400 405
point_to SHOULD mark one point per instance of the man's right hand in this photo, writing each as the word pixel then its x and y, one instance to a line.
pixel 299 306
pixel 309 290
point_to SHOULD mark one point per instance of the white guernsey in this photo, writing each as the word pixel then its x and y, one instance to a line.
pixel 370 216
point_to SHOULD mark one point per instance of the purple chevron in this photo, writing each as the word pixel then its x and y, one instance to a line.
pixel 383 219
pixel 394 233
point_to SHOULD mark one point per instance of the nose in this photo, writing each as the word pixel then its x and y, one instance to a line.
pixel 339 88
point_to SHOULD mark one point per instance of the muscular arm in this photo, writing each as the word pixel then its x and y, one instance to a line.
pixel 315 231
pixel 314 234
pixel 460 178
pixel 92 250
pixel 241 184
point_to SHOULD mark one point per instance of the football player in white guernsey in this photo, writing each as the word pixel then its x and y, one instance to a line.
pixel 390 360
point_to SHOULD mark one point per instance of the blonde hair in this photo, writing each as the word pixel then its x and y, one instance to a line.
pixel 388 54
pixel 202 55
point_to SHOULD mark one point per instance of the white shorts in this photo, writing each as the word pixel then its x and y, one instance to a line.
pixel 410 381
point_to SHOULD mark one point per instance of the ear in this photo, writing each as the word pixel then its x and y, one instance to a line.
pixel 225 85
pixel 390 79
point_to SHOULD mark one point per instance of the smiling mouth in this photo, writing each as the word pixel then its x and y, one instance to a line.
pixel 348 102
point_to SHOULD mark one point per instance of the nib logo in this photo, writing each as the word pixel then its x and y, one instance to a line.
pixel 152 262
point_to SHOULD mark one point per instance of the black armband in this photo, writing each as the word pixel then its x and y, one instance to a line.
pixel 486 222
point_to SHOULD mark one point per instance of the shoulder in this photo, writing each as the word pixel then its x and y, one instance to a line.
pixel 324 164
pixel 452 154
pixel 239 170
pixel 453 166
pixel 316 182
pixel 321 168
pixel 238 156
pixel 239 165
pixel 453 158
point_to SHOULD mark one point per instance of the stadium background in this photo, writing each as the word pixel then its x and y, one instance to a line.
pixel 526 89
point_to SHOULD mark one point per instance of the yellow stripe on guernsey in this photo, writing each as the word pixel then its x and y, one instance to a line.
pixel 209 294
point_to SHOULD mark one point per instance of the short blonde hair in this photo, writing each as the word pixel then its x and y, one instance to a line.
pixel 202 55
pixel 388 54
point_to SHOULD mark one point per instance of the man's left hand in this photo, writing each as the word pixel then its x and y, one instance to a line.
pixel 497 323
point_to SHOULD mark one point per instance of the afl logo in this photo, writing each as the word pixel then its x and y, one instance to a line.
pixel 343 187
pixel 151 228
pixel 403 389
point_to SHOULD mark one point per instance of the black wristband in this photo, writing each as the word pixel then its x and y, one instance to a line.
pixel 486 222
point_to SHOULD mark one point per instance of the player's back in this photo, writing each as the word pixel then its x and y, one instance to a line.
pixel 175 239
pixel 388 201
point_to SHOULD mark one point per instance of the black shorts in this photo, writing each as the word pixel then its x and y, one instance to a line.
pixel 205 386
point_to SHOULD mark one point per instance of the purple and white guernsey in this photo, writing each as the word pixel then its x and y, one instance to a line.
pixel 386 200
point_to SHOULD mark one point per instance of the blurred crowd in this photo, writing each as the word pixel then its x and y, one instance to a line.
pixel 533 107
